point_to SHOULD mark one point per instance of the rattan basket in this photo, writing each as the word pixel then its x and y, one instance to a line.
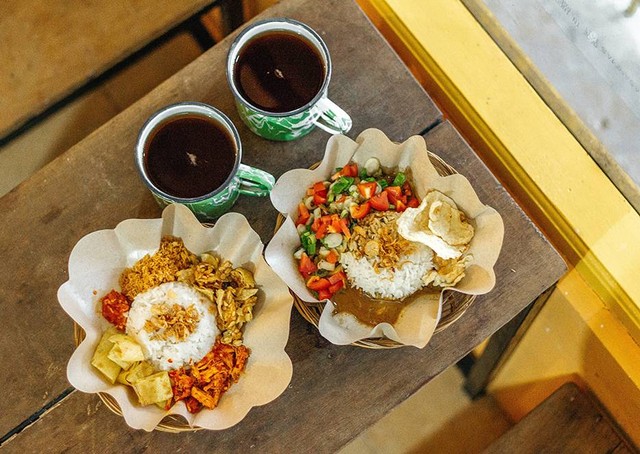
pixel 170 423
pixel 454 304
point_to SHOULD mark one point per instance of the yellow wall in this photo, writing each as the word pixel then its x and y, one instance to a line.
pixel 574 338
pixel 589 329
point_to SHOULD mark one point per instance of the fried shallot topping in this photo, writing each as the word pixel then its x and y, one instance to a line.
pixel 172 322
pixel 376 235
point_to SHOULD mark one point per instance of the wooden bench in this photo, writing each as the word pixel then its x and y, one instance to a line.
pixel 51 50
pixel 568 421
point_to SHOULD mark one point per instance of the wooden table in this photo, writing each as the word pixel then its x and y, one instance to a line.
pixel 50 50
pixel 336 392
pixel 569 420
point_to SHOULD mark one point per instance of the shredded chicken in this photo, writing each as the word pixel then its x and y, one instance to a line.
pixel 209 378
pixel 232 290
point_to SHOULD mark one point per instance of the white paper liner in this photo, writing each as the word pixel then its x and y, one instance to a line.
pixel 95 265
pixel 418 320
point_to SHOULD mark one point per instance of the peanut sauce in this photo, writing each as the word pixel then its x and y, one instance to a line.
pixel 372 311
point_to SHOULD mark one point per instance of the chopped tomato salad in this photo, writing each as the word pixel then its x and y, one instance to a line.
pixel 329 211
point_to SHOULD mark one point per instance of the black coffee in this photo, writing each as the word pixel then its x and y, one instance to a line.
pixel 189 156
pixel 279 72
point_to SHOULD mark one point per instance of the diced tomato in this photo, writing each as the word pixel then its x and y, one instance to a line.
pixel 320 199
pixel 338 276
pixel 406 189
pixel 315 225
pixel 360 211
pixel 324 294
pixel 332 256
pixel 350 170
pixel 336 226
pixel 322 230
pixel 319 188
pixel 330 223
pixel 318 283
pixel 303 214
pixel 395 192
pixel 319 193
pixel 344 227
pixel 306 266
pixel 367 189
pixel 413 202
pixel 335 287
pixel 400 206
pixel 380 201
pixel 337 280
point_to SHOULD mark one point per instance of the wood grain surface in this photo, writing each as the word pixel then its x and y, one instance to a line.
pixel 49 49
pixel 569 420
pixel 336 392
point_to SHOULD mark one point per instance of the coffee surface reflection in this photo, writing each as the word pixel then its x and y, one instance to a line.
pixel 189 156
pixel 279 72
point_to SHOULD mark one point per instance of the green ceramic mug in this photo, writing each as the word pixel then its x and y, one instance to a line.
pixel 190 153
pixel 279 72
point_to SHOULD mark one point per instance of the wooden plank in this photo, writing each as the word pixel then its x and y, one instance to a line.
pixel 95 185
pixel 337 392
pixel 49 49
pixel 567 421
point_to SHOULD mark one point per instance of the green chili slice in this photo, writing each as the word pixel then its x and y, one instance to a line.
pixel 399 179
pixel 342 184
pixel 308 241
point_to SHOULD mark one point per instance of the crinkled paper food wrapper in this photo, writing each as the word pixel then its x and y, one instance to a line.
pixel 95 265
pixel 418 320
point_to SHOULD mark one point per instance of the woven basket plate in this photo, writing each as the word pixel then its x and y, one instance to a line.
pixel 454 304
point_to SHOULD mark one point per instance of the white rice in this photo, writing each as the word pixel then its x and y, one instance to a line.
pixel 166 354
pixel 405 280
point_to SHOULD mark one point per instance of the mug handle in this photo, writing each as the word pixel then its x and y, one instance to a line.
pixel 332 118
pixel 254 182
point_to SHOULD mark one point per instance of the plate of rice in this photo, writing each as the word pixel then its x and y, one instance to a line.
pixel 184 325
pixel 377 238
